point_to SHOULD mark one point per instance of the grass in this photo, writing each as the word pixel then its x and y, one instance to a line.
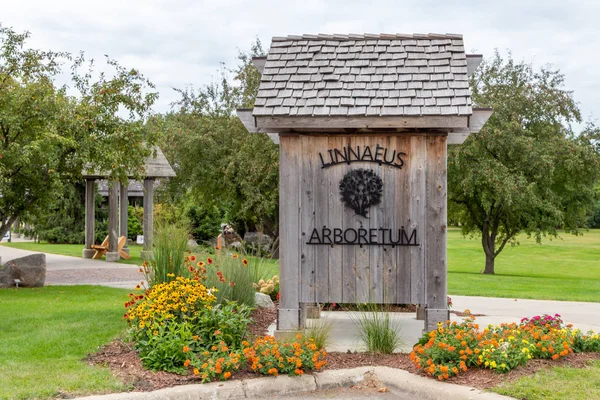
pixel 47 332
pixel 378 332
pixel 567 268
pixel 560 383
pixel 319 330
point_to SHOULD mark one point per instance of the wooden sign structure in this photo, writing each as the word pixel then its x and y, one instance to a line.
pixel 363 123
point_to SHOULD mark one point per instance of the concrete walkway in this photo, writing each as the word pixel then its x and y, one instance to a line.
pixel 66 270
pixel 585 316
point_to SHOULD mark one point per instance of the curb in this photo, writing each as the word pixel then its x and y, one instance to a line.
pixel 400 380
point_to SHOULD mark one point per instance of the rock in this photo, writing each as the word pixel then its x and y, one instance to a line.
pixel 30 270
pixel 129 242
pixel 263 300
pixel 192 244
pixel 236 245
pixel 257 238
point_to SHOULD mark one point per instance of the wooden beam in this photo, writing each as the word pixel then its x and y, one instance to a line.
pixel 457 137
pixel 245 115
pixel 259 63
pixel 476 122
pixel 473 61
pixel 274 137
pixel 479 118
pixel 450 122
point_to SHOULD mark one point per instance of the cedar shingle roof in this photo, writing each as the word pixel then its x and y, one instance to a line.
pixel 365 75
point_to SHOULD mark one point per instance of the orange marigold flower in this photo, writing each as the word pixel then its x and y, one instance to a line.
pixel 226 375
pixel 196 372
pixel 298 371
pixel 272 371
pixel 186 363
pixel 217 332
pixel 186 349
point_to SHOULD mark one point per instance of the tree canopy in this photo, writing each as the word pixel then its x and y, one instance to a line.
pixel 525 171
pixel 50 132
pixel 222 170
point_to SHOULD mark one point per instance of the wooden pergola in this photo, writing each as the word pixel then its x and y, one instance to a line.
pixel 156 166
pixel 356 114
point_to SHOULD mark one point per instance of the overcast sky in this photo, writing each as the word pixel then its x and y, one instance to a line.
pixel 181 42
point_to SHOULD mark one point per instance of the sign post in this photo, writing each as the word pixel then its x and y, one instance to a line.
pixel 363 123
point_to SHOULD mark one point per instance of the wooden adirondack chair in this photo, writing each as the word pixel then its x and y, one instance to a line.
pixel 102 249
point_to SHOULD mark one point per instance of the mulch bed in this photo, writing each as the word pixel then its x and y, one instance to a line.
pixel 123 362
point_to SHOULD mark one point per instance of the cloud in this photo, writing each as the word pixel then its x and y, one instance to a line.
pixel 183 42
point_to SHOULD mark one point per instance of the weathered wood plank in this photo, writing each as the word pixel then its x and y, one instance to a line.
pixel 377 216
pixel 435 256
pixel 349 220
pixel 418 180
pixel 289 208
pixel 403 215
pixel 321 211
pixel 390 205
pixel 335 217
pixel 433 122
pixel 306 174
pixel 363 267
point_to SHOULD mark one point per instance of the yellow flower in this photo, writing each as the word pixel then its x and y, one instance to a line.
pixel 235 256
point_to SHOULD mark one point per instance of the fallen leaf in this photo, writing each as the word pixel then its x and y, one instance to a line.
pixel 383 390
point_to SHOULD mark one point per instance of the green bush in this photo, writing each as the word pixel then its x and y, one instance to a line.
pixel 134 222
pixel 205 221
pixel 179 316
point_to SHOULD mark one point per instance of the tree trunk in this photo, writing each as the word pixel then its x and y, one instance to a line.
pixel 489 263
pixel 488 239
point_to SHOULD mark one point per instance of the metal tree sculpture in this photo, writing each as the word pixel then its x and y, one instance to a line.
pixel 360 189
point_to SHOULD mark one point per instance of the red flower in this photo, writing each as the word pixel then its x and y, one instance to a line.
pixel 192 258
pixel 209 260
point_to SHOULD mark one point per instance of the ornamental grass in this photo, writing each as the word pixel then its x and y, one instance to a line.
pixel 455 347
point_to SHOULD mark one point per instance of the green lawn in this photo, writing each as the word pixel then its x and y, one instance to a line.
pixel 45 333
pixel 557 383
pixel 73 250
pixel 567 268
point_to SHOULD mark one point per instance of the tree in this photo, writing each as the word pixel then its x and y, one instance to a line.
pixel 525 171
pixel 49 133
pixel 218 163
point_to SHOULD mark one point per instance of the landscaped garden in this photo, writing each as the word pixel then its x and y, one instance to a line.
pixel 196 317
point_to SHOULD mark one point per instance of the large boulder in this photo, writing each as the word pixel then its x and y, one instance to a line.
pixel 263 301
pixel 30 270
pixel 257 238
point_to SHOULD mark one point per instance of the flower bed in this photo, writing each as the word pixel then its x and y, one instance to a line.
pixel 454 347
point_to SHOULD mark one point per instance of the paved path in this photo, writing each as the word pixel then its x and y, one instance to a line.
pixel 66 270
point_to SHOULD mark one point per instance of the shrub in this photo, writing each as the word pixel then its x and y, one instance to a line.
pixel 163 320
pixel 218 363
pixel 179 317
pixel 268 357
pixel 377 331
pixel 269 287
